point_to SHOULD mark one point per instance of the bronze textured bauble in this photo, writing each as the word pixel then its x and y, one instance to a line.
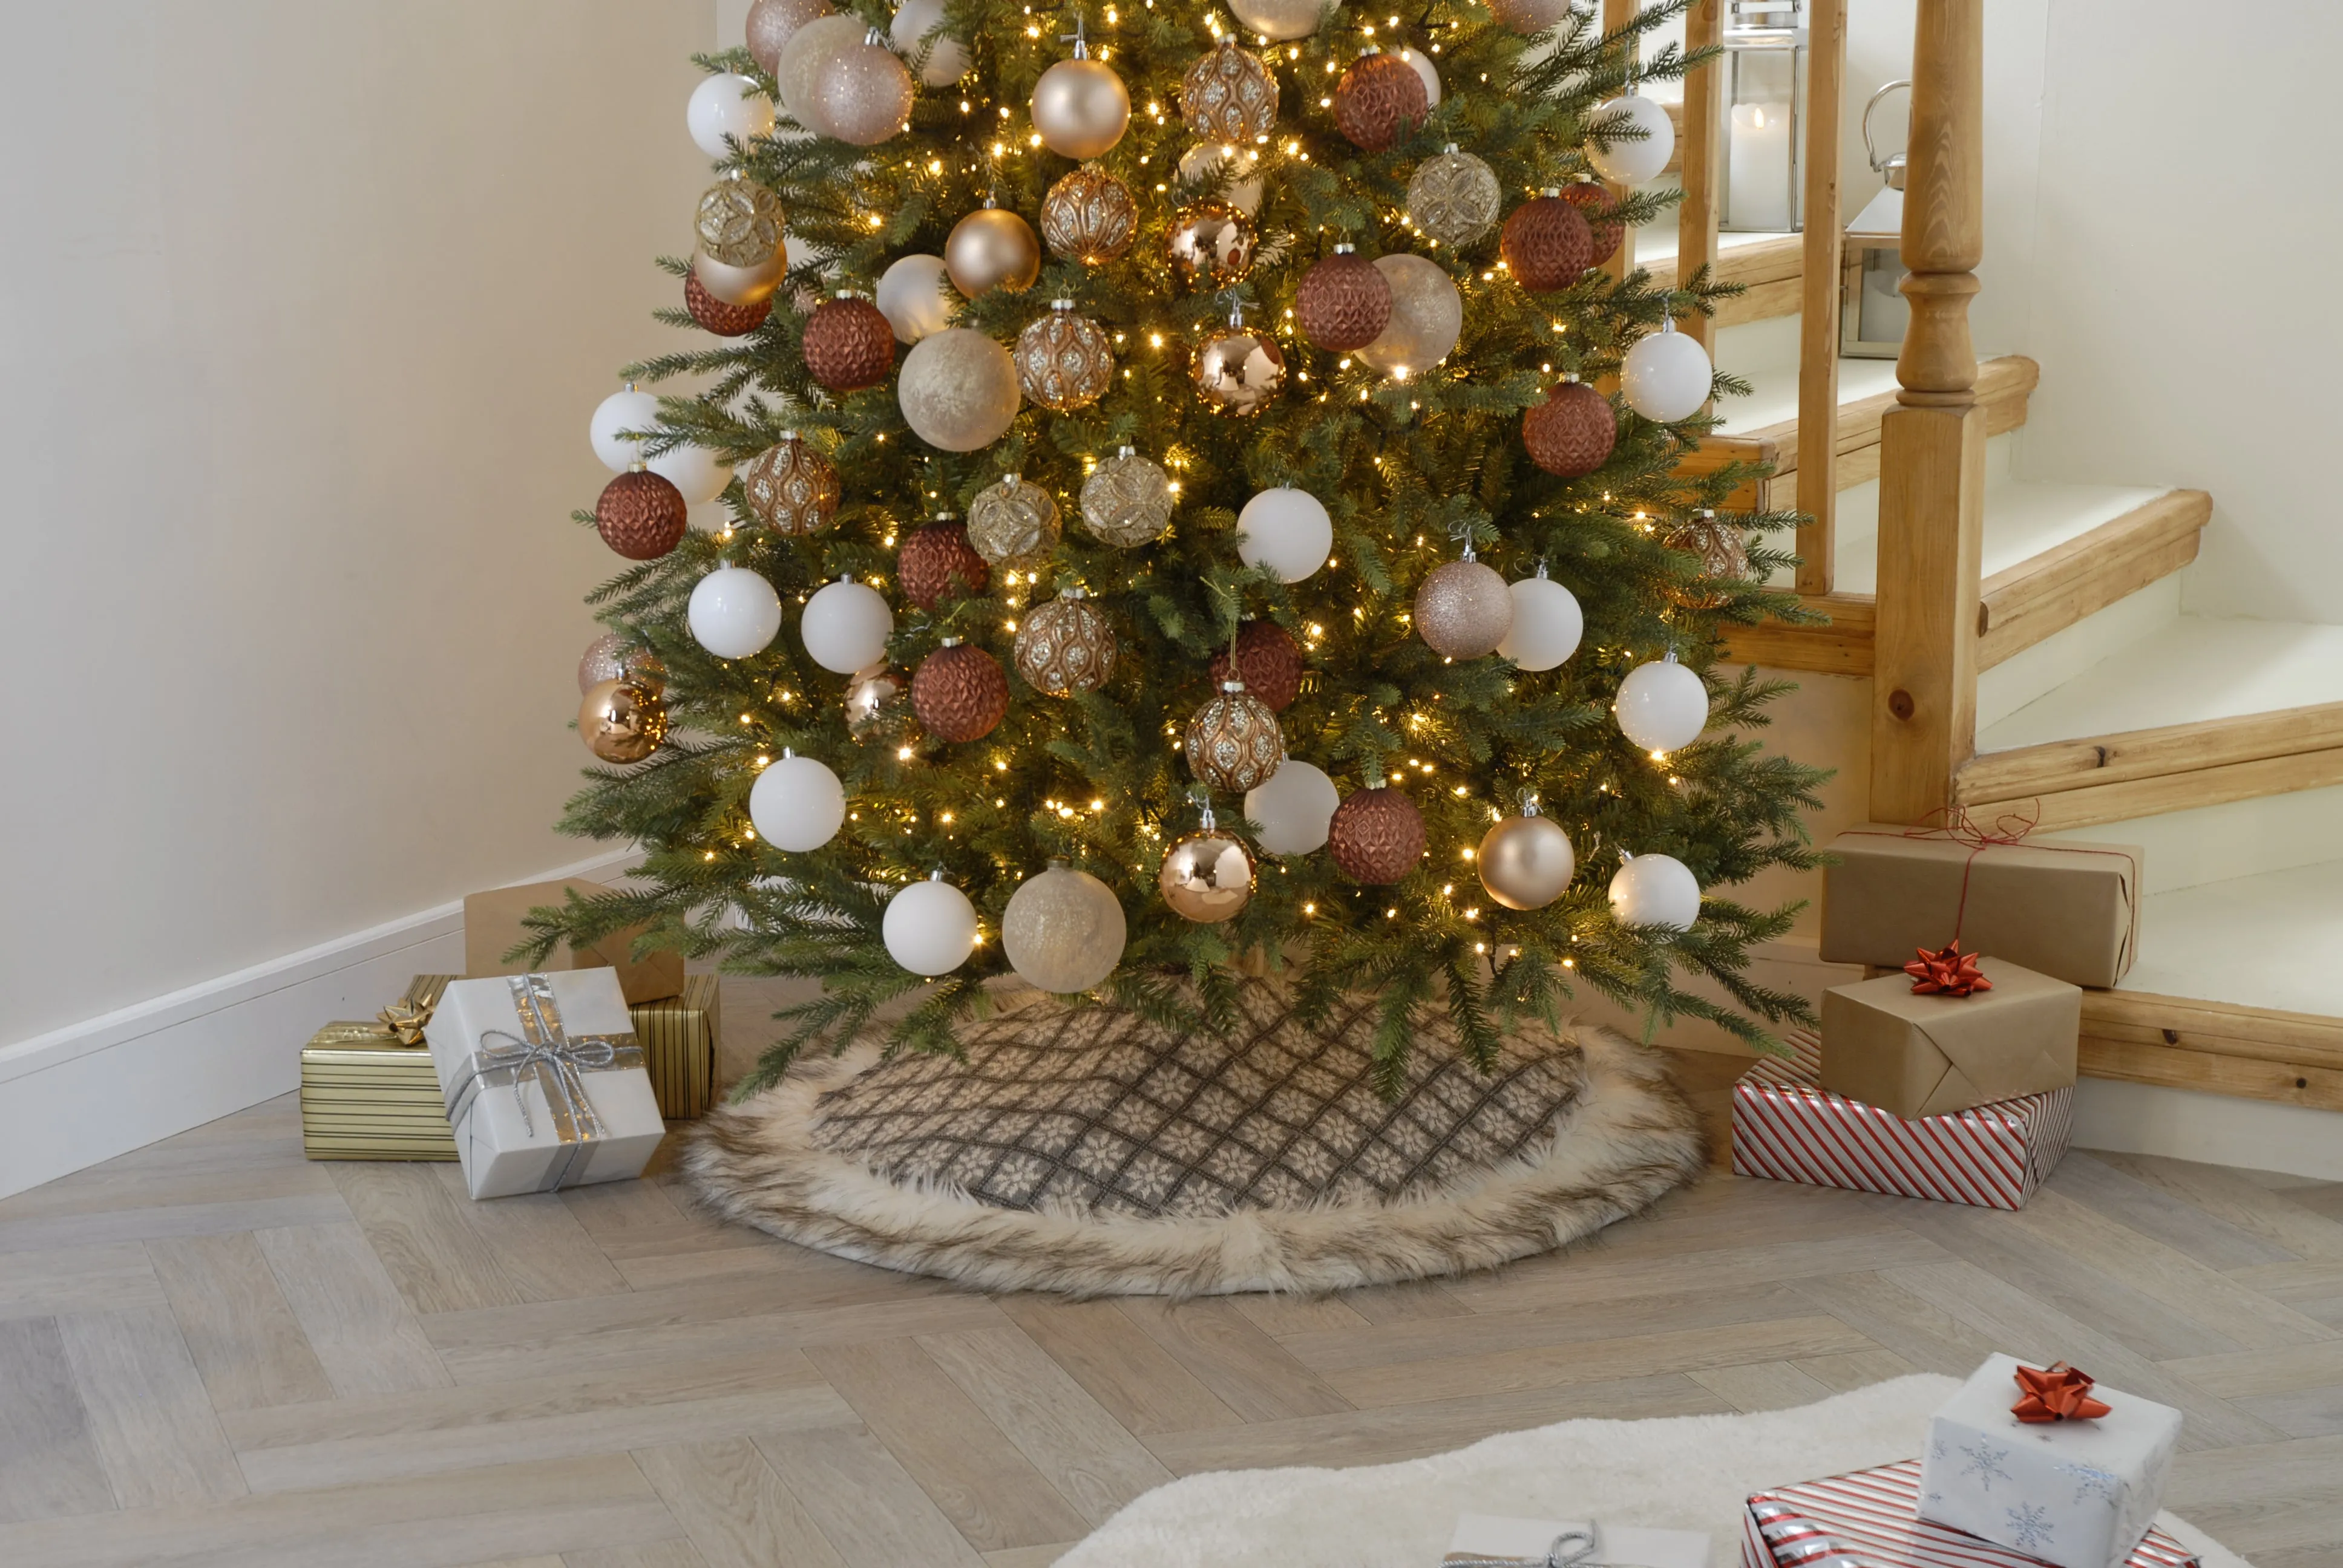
pixel 1014 525
pixel 936 563
pixel 1081 108
pixel 1090 216
pixel 740 222
pixel 1064 361
pixel 1526 862
pixel 849 344
pixel 714 315
pixel 1207 877
pixel 1239 370
pixel 1596 206
pixel 1345 302
pixel 1269 662
pixel 622 721
pixel 992 247
pixel 1127 500
pixel 640 515
pixel 791 488
pixel 770 22
pixel 864 98
pixel 1065 646
pixel 1463 609
pixel 1376 836
pixel 873 697
pixel 610 657
pixel 1571 434
pixel 1453 198
pixel 1229 95
pixel 958 389
pixel 1379 101
pixel 1233 741
pixel 1546 244
pixel 958 693
pixel 1209 245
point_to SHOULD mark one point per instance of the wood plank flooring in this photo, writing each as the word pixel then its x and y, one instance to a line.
pixel 213 1351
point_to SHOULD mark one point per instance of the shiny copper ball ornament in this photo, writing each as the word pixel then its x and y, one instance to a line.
pixel 1090 216
pixel 849 344
pixel 1345 302
pixel 1269 662
pixel 1453 198
pixel 992 247
pixel 791 488
pixel 1228 95
pixel 610 657
pixel 1376 836
pixel 1526 862
pixel 1064 361
pixel 1207 876
pixel 958 693
pixel 873 699
pixel 1209 245
pixel 714 315
pixel 740 222
pixel 1127 500
pixel 1596 206
pixel 1571 434
pixel 1546 244
pixel 640 515
pixel 1079 107
pixel 1379 101
pixel 1239 370
pixel 1014 525
pixel 622 721
pixel 1065 646
pixel 937 562
pixel 1233 741
pixel 1463 609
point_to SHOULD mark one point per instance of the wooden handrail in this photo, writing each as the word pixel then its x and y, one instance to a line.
pixel 1818 323
pixel 1703 91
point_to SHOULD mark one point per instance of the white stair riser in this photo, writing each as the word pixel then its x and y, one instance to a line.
pixel 2062 656
pixel 2240 838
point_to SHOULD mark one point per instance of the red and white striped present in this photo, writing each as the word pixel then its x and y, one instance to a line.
pixel 1870 1520
pixel 1787 1128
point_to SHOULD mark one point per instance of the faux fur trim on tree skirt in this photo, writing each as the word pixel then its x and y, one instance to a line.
pixel 1623 1138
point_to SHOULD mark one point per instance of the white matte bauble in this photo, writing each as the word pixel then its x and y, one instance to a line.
pixel 1278 20
pixel 846 626
pixel 1063 930
pixel 740 285
pixel 1081 108
pixel 735 613
pixel 805 64
pixel 930 927
pixel 1667 376
pixel 947 56
pixel 1547 624
pixel 1662 704
pixel 1525 863
pixel 1424 69
pixel 1427 316
pixel 695 471
pixel 728 105
pixel 626 410
pixel 1656 890
pixel 796 804
pixel 1627 163
pixel 1293 808
pixel 1208 160
pixel 958 389
pixel 911 296
pixel 1287 531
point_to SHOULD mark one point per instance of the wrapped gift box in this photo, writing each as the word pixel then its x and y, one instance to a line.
pixel 493 927
pixel 1488 1538
pixel 1932 1055
pixel 365 1096
pixel 679 1036
pixel 1872 1518
pixel 2072 1494
pixel 1787 1128
pixel 2070 911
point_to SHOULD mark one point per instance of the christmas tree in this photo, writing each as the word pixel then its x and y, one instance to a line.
pixel 1247 457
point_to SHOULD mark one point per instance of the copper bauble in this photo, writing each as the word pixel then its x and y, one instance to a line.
pixel 1014 524
pixel 1207 876
pixel 958 389
pixel 1209 245
pixel 992 247
pixel 1239 370
pixel 622 721
pixel 1604 231
pixel 1453 198
pixel 1228 95
pixel 714 315
pixel 1546 244
pixel 740 222
pixel 611 656
pixel 872 699
pixel 959 692
pixel 1269 662
pixel 937 562
pixel 1376 837
pixel 1065 646
pixel 1233 741
pixel 772 22
pixel 1064 361
pixel 1090 216
pixel 1079 107
pixel 1127 500
pixel 640 515
pixel 791 488
pixel 1526 862
pixel 849 344
pixel 1463 609
pixel 1571 434
pixel 1345 302
pixel 1379 101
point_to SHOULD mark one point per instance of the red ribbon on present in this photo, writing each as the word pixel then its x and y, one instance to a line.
pixel 2056 1393
pixel 1948 971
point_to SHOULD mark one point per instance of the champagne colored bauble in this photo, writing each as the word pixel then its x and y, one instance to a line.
pixel 740 285
pixel 1631 163
pixel 807 58
pixel 714 315
pixel 797 803
pixel 1596 206
pixel 992 247
pixel 958 693
pixel 1090 216
pixel 930 927
pixel 1279 20
pixel 1228 94
pixel 1268 660
pixel 1376 836
pixel 734 613
pixel 740 222
pixel 1427 318
pixel 1345 302
pixel 1379 101
pixel 1127 500
pixel 1081 108
pixel 1239 370
pixel 873 695
pixel 1453 198
pixel 1286 530
pixel 697 474
pixel 1293 808
pixel 772 23
pixel 1463 609
pixel 1064 361
pixel 1209 245
pixel 1529 16
pixel 849 344
pixel 958 390
pixel 936 563
pixel 911 295
pixel 1233 741
pixel 641 514
pixel 1225 161
pixel 1526 862
pixel 791 488
pixel 622 721
pixel 728 105
pixel 1063 930
pixel 1667 376
pixel 1656 890
pixel 1207 877
pixel 1546 244
pixel 1662 704
pixel 1571 434
pixel 615 416
pixel 611 656
pixel 864 98
pixel 1547 623
pixel 1065 646
pixel 1014 525
pixel 917 25
pixel 846 624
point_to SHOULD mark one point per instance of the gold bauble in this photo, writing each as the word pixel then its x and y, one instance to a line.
pixel 1063 930
pixel 1233 741
pixel 622 721
pixel 1127 500
pixel 958 389
pixel 1454 197
pixel 1239 370
pixel 992 247
pixel 1064 361
pixel 1463 609
pixel 1526 862
pixel 1207 877
pixel 1065 646
pixel 1278 20
pixel 740 222
pixel 874 699
pixel 792 488
pixel 1229 94
pixel 1209 245
pixel 1090 216
pixel 1081 107
pixel 1427 316
pixel 1014 525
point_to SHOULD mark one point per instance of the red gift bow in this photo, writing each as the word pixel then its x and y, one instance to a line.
pixel 1946 972
pixel 2056 1393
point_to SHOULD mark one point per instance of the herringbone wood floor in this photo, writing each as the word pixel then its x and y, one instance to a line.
pixel 214 1352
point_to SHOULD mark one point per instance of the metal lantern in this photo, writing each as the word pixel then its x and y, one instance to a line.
pixel 1765 116
pixel 1871 311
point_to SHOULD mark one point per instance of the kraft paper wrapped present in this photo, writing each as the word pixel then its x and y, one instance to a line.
pixel 543 1082
pixel 2070 911
pixel 368 1090
pixel 2076 1493
pixel 1871 1519
pixel 493 928
pixel 1931 1055
pixel 1488 1540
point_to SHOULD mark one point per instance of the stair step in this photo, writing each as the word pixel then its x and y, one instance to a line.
pixel 2202 1041
pixel 2266 940
pixel 2200 844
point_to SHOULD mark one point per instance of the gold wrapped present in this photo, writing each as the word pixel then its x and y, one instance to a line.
pixel 367 1095
pixel 679 1035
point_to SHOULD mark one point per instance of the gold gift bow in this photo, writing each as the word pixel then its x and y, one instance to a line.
pixel 405 1020
pixel 543 1050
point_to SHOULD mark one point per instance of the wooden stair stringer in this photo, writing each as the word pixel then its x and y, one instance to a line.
pixel 2217 1048
pixel 2147 772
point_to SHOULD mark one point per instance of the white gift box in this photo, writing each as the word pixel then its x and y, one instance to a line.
pixel 2074 1493
pixel 544 1082
pixel 1534 1543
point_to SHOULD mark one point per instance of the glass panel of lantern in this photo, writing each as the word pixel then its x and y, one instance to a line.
pixel 1871 311
pixel 1766 114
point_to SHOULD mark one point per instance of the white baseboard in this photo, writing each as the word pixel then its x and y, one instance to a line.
pixel 2210 1128
pixel 91 1090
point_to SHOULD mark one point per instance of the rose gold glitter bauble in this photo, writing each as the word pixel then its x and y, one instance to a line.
pixel 1596 206
pixel 770 22
pixel 958 693
pixel 610 657
pixel 1229 95
pixel 791 488
pixel 1090 216
pixel 1571 434
pixel 714 315
pixel 640 515
pixel 1547 242
pixel 1269 662
pixel 1376 837
pixel 1233 741
pixel 1207 877
pixel 740 222
pixel 992 247
pixel 863 97
pixel 1379 100
pixel 938 562
pixel 1463 609
pixel 1014 525
pixel 1127 500
pixel 849 344
pixel 622 721
pixel 1064 361
pixel 1345 302
pixel 1453 198
pixel 1065 646
pixel 1239 370
pixel 1210 244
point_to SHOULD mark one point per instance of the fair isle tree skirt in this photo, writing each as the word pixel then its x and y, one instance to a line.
pixel 1086 1151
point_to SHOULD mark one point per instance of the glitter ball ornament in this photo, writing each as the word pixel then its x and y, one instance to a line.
pixel 622 721
pixel 740 222
pixel 1278 20
pixel 1064 361
pixel 873 695
pixel 1379 101
pixel 1229 94
pixel 1344 303
pixel 609 657
pixel 1376 836
pixel 640 515
pixel 772 23
pixel 1571 434
pixel 958 693
pixel 1207 877
pixel 1526 862
pixel 992 247
pixel 1453 198
pixel 1596 206
pixel 1127 500
pixel 1079 107
pixel 848 343
pixel 806 59
pixel 1210 244
pixel 1090 216
pixel 790 488
pixel 1233 741
pixel 1529 16
pixel 1268 661
pixel 937 562
pixel 958 389
pixel 1427 318
pixel 1064 646
pixel 1239 370
pixel 864 98
pixel 1063 930
pixel 1463 609
pixel 714 315
pixel 1547 242
pixel 1014 525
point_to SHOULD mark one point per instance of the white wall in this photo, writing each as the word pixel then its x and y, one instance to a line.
pixel 303 308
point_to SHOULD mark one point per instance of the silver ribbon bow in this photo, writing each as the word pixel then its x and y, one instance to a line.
pixel 1570 1549
pixel 544 1052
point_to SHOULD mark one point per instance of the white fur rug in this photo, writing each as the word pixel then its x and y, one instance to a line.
pixel 1683 1472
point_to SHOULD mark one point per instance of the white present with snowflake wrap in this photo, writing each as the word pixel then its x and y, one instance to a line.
pixel 2076 1492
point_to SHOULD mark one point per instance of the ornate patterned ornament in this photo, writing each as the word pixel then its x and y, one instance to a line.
pixel 724 320
pixel 1229 94
pixel 1345 302
pixel 1453 198
pixel 1090 216
pixel 1014 525
pixel 1546 244
pixel 1239 370
pixel 792 488
pixel 1380 101
pixel 740 222
pixel 1571 434
pixel 848 343
pixel 1064 361
pixel 1233 741
pixel 1268 661
pixel 958 693
pixel 1065 646
pixel 1376 836
pixel 1594 204
pixel 1724 551
pixel 1210 244
pixel 1127 500
pixel 937 562
pixel 640 515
